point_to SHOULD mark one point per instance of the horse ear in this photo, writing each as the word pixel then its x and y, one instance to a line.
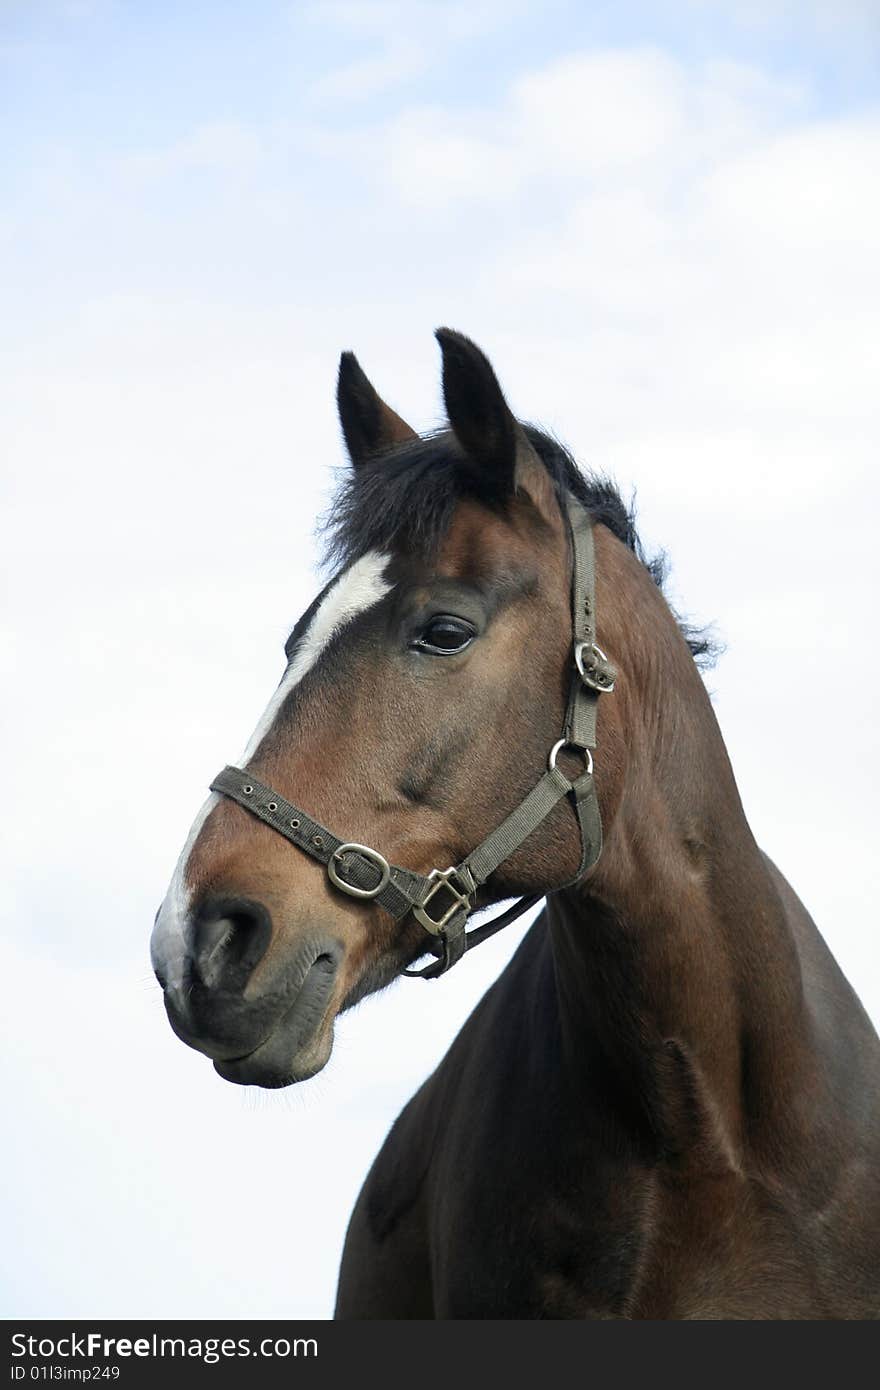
pixel 480 417
pixel 485 426
pixel 368 424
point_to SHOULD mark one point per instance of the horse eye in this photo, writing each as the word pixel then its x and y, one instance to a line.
pixel 444 635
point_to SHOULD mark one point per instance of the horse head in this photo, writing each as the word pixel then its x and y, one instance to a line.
pixel 423 690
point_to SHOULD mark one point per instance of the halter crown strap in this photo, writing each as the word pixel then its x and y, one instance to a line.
pixel 442 900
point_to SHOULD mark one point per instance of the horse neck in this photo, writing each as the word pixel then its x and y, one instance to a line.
pixel 677 975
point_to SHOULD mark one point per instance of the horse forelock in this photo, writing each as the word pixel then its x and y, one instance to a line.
pixel 404 501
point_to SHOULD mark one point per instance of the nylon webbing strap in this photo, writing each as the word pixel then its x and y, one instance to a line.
pixel 518 826
pixel 403 888
pixel 442 900
pixel 508 837
pixel 583 577
pixel 594 674
pixel 586 807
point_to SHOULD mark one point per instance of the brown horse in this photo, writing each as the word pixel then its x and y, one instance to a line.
pixel 668 1106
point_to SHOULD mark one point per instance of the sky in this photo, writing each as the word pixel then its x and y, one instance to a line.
pixel 661 222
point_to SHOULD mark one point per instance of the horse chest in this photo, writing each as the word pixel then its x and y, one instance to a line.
pixel 532 1244
pixel 607 1244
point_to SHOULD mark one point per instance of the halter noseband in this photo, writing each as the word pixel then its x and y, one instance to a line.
pixel 442 900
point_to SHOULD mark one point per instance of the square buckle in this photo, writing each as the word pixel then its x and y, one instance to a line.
pixel 440 879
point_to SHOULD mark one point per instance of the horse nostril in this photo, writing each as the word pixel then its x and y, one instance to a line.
pixel 161 978
pixel 212 938
pixel 229 938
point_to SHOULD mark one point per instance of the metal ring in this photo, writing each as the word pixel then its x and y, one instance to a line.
pixel 374 857
pixel 272 805
pixel 576 748
pixel 248 789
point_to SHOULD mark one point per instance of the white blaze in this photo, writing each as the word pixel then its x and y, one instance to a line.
pixel 166 944
pixel 358 588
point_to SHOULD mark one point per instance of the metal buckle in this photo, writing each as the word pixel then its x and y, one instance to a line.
pixel 441 878
pixel 596 676
pixel 374 858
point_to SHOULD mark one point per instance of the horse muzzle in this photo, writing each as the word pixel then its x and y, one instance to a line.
pixel 257 1032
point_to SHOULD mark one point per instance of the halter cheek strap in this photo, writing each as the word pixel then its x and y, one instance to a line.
pixel 442 900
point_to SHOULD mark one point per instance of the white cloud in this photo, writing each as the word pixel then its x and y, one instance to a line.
pixel 399 61
pixel 698 221
pixel 633 116
pixel 599 112
pixel 215 145
pixel 408 35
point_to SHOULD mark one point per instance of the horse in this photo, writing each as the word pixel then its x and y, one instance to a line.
pixel 668 1104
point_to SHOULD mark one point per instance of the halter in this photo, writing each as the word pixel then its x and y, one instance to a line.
pixel 442 900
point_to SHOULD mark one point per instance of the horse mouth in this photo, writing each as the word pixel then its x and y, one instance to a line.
pixel 300 1043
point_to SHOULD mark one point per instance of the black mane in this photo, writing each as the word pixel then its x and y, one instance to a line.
pixel 406 498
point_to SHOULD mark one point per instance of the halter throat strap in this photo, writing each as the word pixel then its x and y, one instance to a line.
pixel 442 900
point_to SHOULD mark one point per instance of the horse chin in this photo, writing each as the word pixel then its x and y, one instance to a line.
pixel 300 1042
pixel 272 1065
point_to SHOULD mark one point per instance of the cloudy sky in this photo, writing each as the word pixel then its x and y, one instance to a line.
pixel 661 220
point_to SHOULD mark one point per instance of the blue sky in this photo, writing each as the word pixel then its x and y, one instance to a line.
pixel 80 62
pixel 662 223
pixel 93 86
